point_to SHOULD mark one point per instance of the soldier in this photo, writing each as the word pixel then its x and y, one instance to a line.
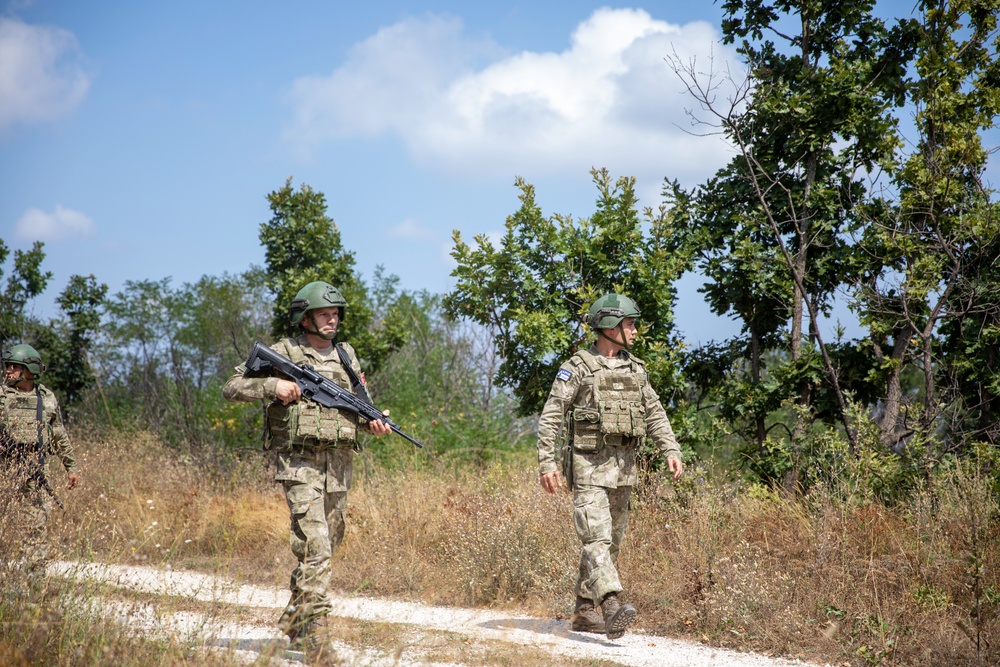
pixel 314 447
pixel 604 397
pixel 30 428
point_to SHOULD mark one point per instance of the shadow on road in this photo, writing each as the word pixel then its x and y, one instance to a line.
pixel 543 626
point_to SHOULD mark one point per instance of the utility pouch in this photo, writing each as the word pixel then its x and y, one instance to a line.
pixel 586 429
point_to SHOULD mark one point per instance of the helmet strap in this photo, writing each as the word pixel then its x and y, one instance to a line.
pixel 315 331
pixel 21 382
pixel 621 343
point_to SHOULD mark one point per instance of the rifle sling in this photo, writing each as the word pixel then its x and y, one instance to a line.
pixel 355 380
pixel 38 418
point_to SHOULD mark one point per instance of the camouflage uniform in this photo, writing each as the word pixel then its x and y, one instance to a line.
pixel 19 418
pixel 314 447
pixel 609 406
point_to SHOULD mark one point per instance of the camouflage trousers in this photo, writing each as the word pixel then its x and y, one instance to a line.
pixel 318 522
pixel 600 515
pixel 25 516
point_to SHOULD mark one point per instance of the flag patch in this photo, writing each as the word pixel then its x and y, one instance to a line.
pixel 563 374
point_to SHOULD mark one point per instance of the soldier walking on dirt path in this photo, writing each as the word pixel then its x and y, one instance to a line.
pixel 602 398
pixel 31 428
pixel 314 447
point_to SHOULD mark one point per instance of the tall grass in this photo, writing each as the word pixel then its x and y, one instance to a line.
pixel 834 576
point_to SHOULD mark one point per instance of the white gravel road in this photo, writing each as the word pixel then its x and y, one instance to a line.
pixel 250 640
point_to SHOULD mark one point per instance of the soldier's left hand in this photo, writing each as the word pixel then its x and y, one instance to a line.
pixel 379 427
pixel 73 481
pixel 676 466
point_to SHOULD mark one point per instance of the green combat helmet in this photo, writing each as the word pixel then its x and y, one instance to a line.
pixel 608 313
pixel 26 356
pixel 316 295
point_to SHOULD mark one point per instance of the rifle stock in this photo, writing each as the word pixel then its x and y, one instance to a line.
pixel 263 361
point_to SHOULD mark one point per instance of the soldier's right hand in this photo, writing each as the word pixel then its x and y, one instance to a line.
pixel 287 392
pixel 551 481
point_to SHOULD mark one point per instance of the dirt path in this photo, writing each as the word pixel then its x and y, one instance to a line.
pixel 250 640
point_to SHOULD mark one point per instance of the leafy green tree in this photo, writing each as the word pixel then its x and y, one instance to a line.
pixel 439 386
pixel 930 292
pixel 26 281
pixel 71 339
pixel 302 244
pixel 811 120
pixel 166 352
pixel 532 291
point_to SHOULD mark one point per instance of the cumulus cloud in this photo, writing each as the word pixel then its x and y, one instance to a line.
pixel 410 230
pixel 610 99
pixel 42 77
pixel 61 224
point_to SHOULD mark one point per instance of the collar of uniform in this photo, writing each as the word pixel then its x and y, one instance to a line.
pixel 310 351
pixel 623 356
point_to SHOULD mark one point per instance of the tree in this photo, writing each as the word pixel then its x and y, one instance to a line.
pixel 25 282
pixel 302 244
pixel 930 295
pixel 811 120
pixel 532 292
pixel 70 339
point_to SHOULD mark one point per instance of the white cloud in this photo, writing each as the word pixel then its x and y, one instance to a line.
pixel 410 230
pixel 609 100
pixel 41 73
pixel 61 224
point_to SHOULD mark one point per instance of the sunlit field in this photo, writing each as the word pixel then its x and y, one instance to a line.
pixel 829 577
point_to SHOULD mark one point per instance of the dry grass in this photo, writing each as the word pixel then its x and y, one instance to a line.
pixel 828 577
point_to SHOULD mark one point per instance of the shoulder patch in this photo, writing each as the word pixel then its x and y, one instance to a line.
pixel 563 374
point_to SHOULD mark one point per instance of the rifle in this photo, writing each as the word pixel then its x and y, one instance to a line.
pixel 17 452
pixel 263 361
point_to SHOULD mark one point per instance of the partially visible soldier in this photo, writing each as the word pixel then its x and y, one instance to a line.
pixel 30 429
pixel 314 447
pixel 603 397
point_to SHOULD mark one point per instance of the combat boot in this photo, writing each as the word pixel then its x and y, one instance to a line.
pixel 617 616
pixel 294 624
pixel 586 618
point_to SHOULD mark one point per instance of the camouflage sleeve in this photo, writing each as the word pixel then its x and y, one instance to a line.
pixel 59 443
pixel 245 390
pixel 550 422
pixel 657 425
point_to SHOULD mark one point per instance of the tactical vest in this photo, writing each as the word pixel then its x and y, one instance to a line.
pixel 616 415
pixel 19 424
pixel 307 422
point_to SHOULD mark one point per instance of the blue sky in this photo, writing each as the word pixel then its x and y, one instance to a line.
pixel 139 140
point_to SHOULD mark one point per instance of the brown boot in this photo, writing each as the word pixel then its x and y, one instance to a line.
pixel 586 618
pixel 617 616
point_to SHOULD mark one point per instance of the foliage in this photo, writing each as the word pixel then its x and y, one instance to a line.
pixel 301 245
pixel 532 291
pixel 25 282
pixel 66 344
pixel 439 387
pixel 165 353
pixel 931 281
pixel 769 229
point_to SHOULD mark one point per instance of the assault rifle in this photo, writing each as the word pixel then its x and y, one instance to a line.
pixel 16 454
pixel 263 361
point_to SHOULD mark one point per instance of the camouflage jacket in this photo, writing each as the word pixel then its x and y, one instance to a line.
pixel 607 406
pixel 18 418
pixel 304 423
